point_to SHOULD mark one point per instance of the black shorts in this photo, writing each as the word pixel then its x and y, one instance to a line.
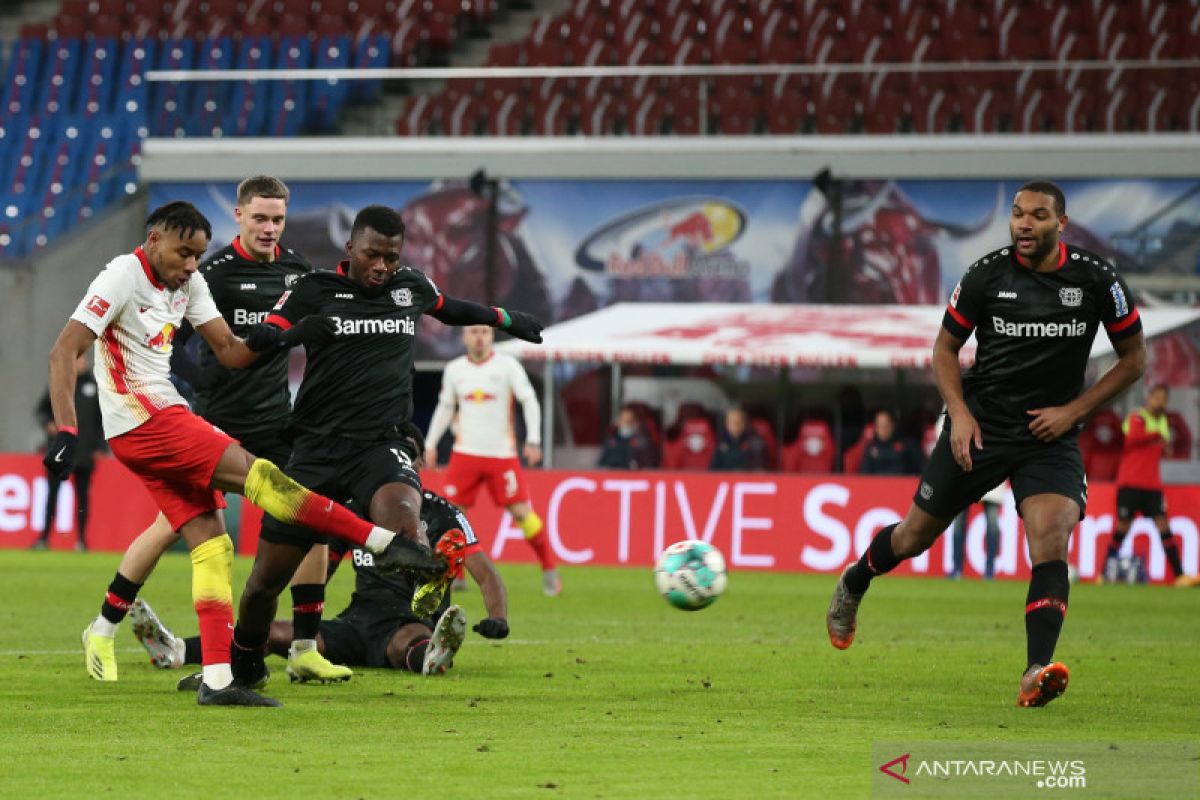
pixel 344 470
pixel 273 445
pixel 359 637
pixel 1147 502
pixel 1031 467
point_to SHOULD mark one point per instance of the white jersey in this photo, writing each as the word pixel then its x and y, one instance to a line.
pixel 483 392
pixel 135 318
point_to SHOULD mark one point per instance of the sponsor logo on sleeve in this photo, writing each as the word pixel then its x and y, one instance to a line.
pixel 1071 296
pixel 282 299
pixel 954 295
pixel 97 306
pixel 1120 304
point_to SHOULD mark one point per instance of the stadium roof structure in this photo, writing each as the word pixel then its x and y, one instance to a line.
pixel 771 335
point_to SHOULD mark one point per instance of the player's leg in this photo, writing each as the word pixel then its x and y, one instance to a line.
pixel 506 484
pixel 1158 513
pixel 264 484
pixel 305 660
pixel 52 485
pixel 991 538
pixel 83 495
pixel 1127 500
pixel 136 565
pixel 280 551
pixel 1049 519
pixel 167 651
pixel 958 544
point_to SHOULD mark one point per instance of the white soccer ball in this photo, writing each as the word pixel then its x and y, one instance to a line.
pixel 690 574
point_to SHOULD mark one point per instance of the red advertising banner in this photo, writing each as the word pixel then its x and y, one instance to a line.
pixel 796 523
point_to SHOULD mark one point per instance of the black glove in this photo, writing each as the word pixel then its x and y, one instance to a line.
pixel 492 628
pixel 523 326
pixel 60 456
pixel 313 329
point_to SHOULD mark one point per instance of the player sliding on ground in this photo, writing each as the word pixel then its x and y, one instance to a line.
pixel 246 279
pixel 379 628
pixel 130 314
pixel 1035 307
pixel 355 397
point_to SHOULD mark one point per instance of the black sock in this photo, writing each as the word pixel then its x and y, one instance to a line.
pixel 1045 609
pixel 121 594
pixel 308 602
pixel 878 559
pixel 1171 548
pixel 245 641
pixel 414 656
pixel 1114 546
pixel 191 650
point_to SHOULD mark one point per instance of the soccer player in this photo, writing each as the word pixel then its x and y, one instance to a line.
pixel 130 314
pixel 1034 307
pixel 245 278
pixel 379 627
pixel 1139 482
pixel 355 396
pixel 481 385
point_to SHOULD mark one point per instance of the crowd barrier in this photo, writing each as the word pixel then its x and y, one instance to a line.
pixel 788 523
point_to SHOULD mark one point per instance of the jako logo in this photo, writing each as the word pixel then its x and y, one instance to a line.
pixel 886 769
pixel 353 327
pixel 1072 328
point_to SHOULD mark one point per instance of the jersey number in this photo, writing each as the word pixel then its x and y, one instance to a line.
pixel 510 482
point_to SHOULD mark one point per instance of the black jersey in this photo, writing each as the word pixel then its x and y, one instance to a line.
pixel 1034 332
pixel 360 386
pixel 394 591
pixel 245 290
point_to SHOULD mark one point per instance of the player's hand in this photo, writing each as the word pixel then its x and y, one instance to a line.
pixel 60 456
pixel 964 432
pixel 312 330
pixel 533 454
pixel 1050 423
pixel 524 326
pixel 492 628
pixel 431 458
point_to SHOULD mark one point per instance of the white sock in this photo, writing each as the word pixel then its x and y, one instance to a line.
pixel 302 646
pixel 178 652
pixel 103 627
pixel 217 676
pixel 379 538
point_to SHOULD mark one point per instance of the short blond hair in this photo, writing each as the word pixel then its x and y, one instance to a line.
pixel 261 186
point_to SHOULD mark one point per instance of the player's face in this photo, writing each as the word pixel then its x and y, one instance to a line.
pixel 478 339
pixel 174 255
pixel 1156 403
pixel 374 258
pixel 735 423
pixel 260 224
pixel 884 426
pixel 1035 225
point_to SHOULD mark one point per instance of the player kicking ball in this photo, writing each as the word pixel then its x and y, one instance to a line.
pixel 379 628
pixel 1034 307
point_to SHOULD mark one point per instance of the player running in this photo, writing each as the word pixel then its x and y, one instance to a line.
pixel 482 385
pixel 355 396
pixel 130 314
pixel 1035 307
pixel 1139 481
pixel 378 628
pixel 245 278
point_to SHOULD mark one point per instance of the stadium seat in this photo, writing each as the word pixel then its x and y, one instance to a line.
pixel 811 451
pixel 1180 446
pixel 853 455
pixel 693 447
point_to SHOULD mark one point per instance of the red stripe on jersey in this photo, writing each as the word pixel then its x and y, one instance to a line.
pixel 959 318
pixel 438 305
pixel 246 254
pixel 146 268
pixel 1047 602
pixel 278 321
pixel 1062 257
pixel 343 268
pixel 118 371
pixel 1117 327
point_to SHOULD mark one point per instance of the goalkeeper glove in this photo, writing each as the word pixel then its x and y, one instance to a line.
pixel 492 628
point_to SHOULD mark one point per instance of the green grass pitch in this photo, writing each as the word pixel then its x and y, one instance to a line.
pixel 605 692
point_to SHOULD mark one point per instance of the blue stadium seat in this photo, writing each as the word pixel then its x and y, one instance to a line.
pixel 210 100
pixel 98 77
pixel 60 77
pixel 287 99
pixel 369 52
pixel 248 104
pixel 326 98
pixel 171 101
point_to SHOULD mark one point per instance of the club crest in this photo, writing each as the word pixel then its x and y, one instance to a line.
pixel 402 297
pixel 1071 297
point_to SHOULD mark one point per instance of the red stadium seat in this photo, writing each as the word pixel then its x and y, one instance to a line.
pixel 1180 446
pixel 812 450
pixel 767 431
pixel 853 455
pixel 692 449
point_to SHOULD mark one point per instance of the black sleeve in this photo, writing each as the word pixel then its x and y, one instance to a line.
pixel 296 303
pixel 1116 307
pixel 966 306
pixel 453 311
pixel 181 361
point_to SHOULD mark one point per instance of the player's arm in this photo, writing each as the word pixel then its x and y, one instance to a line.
pixel 442 415
pixel 495 596
pixel 1050 423
pixel 527 397
pixel 965 308
pixel 72 342
pixel 452 311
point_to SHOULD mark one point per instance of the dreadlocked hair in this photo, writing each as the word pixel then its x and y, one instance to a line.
pixel 181 216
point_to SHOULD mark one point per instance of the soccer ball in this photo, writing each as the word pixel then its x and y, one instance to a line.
pixel 690 574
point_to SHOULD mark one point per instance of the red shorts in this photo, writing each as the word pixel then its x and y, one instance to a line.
pixel 175 453
pixel 465 474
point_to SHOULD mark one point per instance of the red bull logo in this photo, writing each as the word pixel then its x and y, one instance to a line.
pixel 681 238
pixel 161 341
pixel 479 396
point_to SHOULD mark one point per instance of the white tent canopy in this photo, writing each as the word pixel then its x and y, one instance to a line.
pixel 868 336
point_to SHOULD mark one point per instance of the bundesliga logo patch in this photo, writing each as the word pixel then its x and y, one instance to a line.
pixel 97 306
pixel 1071 297
pixel 402 297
